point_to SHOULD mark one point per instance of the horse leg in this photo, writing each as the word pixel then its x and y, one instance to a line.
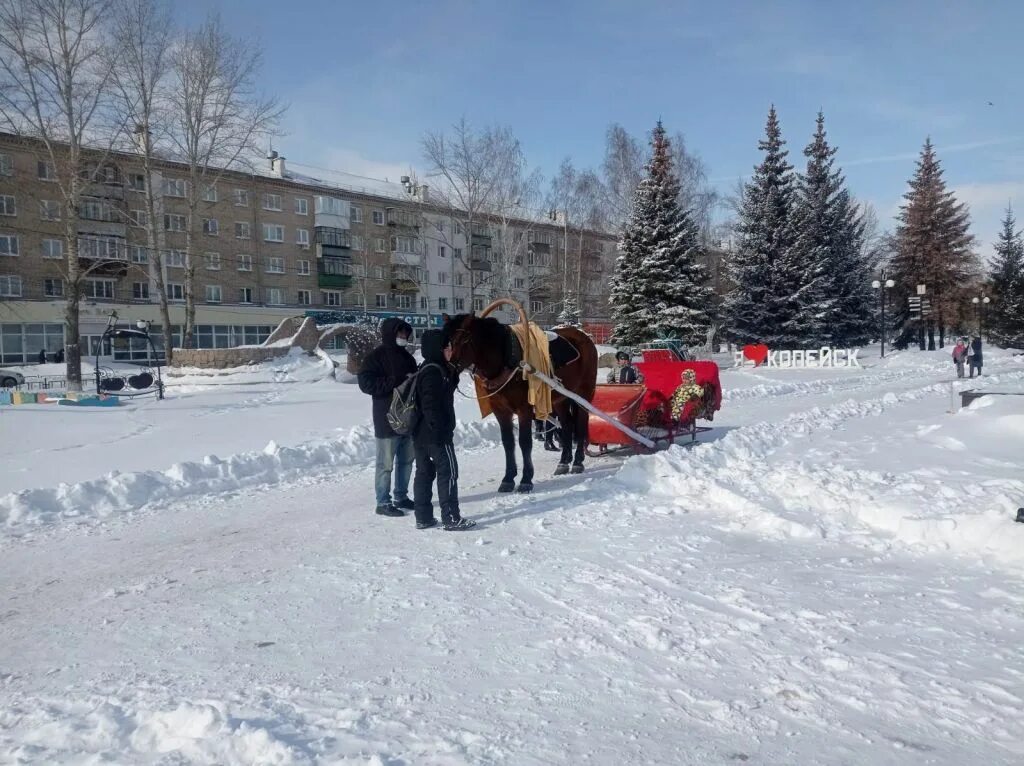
pixel 564 420
pixel 581 421
pixel 526 447
pixel 508 441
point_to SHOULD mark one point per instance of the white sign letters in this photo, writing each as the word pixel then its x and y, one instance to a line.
pixel 789 360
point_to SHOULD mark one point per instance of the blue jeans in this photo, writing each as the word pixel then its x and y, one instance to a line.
pixel 394 452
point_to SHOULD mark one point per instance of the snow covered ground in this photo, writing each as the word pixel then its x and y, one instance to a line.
pixel 834 577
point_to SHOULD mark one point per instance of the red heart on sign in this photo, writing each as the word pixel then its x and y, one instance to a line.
pixel 756 353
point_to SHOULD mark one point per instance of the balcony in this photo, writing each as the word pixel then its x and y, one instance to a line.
pixel 540 247
pixel 404 218
pixel 480 264
pixel 102 267
pixel 333 281
pixel 481 240
pixel 332 242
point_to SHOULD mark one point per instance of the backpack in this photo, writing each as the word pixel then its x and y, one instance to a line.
pixel 403 417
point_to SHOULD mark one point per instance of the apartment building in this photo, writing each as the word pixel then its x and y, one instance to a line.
pixel 267 245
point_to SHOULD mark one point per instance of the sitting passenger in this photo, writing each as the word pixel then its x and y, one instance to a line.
pixel 688 391
pixel 626 372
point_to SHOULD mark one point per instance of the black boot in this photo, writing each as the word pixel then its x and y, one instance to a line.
pixel 404 505
pixel 452 520
pixel 389 510
pixel 431 522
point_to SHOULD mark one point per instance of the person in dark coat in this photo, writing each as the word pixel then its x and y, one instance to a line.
pixel 384 369
pixel 434 437
pixel 975 358
pixel 42 356
pixel 626 372
pixel 59 356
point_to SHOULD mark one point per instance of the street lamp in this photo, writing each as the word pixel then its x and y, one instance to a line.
pixel 979 307
pixel 882 285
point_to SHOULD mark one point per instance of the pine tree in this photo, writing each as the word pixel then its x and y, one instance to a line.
pixel 762 304
pixel 832 304
pixel 1006 314
pixel 934 247
pixel 659 289
pixel 570 314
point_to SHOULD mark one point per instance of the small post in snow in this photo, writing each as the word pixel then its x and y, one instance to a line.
pixel 953 407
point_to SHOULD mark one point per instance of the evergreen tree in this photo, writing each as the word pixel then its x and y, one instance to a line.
pixel 570 314
pixel 832 303
pixel 934 247
pixel 659 289
pixel 1006 314
pixel 762 305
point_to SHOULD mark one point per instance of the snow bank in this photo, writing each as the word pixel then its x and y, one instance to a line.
pixel 296 367
pixel 120 493
pixel 803 499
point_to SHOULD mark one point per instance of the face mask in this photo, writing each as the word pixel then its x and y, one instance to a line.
pixel 401 342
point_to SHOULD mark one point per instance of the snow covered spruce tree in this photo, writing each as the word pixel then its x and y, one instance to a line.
pixel 833 304
pixel 570 314
pixel 1006 314
pixel 659 289
pixel 762 305
pixel 934 247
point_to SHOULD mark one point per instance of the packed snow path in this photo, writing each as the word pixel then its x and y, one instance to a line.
pixel 795 592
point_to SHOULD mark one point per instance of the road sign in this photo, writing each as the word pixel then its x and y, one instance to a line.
pixel 922 289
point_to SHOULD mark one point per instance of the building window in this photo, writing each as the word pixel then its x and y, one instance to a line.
pixel 442 251
pixel 273 232
pixel 210 193
pixel 138 254
pixel 536 307
pixel 439 225
pixel 97 210
pixel 303 268
pixel 6 165
pixel 174 222
pixel 381 300
pixel 49 210
pixel 275 296
pixel 378 217
pixel 46 170
pixel 241 197
pixel 242 230
pixel 271 201
pixel 442 304
pixel 442 277
pixel 457 253
pixel 460 304
pixel 245 295
pixel 211 226
pixel 378 272
pixel 102 248
pixel 137 182
pixel 275 265
pixel 213 294
pixel 53 288
pixel 358 300
pixel 175 259
pixel 245 262
pixel 330 297
pixel 460 279
pixel 212 261
pixel 359 270
pixel 478 304
pixel 138 218
pixel 8 205
pixel 140 291
pixel 304 298
pixel 424 303
pixel 520 283
pixel 301 206
pixel 302 238
pixel 175 292
pixel 382 245
pixel 102 289
pixel 458 227
pixel 50 248
pixel 9 244
pixel 174 187
pixel 10 286
pixel 355 214
pixel 403 301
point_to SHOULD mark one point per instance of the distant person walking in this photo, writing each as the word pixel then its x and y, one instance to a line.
pixel 42 356
pixel 975 357
pixel 960 357
pixel 59 356
pixel 384 369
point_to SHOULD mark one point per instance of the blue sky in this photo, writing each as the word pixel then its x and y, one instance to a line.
pixel 364 82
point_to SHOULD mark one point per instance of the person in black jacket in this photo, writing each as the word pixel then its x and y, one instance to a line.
pixel 626 372
pixel 434 436
pixel 975 358
pixel 384 369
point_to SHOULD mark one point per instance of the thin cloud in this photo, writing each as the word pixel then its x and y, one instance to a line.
pixel 942 150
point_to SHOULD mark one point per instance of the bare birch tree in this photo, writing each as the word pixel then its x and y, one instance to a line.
pixel 55 87
pixel 143 31
pixel 220 121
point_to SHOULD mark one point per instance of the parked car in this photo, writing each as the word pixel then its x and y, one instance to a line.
pixel 10 379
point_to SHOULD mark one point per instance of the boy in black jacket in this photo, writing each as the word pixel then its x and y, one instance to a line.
pixel 433 437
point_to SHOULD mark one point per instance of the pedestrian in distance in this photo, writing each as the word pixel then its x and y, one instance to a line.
pixel 384 369
pixel 960 357
pixel 434 436
pixel 59 356
pixel 42 356
pixel 975 357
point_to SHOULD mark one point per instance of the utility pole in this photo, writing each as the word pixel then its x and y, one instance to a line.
pixel 882 285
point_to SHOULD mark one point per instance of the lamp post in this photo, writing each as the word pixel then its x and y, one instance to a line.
pixel 882 285
pixel 979 307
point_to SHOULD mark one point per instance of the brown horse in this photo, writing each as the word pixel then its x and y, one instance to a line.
pixel 491 350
